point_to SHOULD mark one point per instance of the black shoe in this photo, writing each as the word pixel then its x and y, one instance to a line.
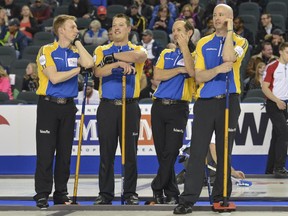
pixel 158 198
pixel 42 203
pixel 132 200
pixel 101 200
pixel 61 199
pixel 281 173
pixel 182 209
pixel 170 200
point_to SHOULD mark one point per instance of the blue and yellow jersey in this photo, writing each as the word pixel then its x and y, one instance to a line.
pixel 209 55
pixel 64 59
pixel 179 87
pixel 110 87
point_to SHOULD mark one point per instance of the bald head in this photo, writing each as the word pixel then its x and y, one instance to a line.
pixel 226 9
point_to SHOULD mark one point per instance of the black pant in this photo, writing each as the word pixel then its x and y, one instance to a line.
pixel 279 143
pixel 209 115
pixel 109 120
pixel 168 127
pixel 54 132
pixel 271 153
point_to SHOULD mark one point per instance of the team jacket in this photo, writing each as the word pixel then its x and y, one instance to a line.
pixel 277 76
pixel 179 87
pixel 64 59
pixel 209 55
pixel 110 87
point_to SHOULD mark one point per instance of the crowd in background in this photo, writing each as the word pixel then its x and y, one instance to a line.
pixel 21 20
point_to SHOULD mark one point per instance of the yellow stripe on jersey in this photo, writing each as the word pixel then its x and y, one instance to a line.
pixel 44 60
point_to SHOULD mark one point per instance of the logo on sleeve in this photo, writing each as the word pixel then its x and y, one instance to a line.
pixel 42 60
pixel 239 50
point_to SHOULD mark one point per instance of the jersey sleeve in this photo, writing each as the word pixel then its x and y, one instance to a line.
pixel 240 48
pixel 269 74
pixel 45 57
pixel 98 55
pixel 160 61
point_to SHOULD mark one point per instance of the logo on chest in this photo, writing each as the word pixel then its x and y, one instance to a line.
pixel 180 62
pixel 72 62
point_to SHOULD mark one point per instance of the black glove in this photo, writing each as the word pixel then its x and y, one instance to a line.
pixel 108 59
pixel 85 71
pixel 77 38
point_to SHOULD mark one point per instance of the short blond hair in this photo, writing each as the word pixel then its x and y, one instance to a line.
pixel 59 21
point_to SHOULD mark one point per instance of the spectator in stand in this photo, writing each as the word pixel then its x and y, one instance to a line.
pixel 41 11
pixel 197 13
pixel 179 3
pixel 187 11
pixel 267 27
pixel 105 21
pixel 257 80
pixel 30 79
pixel 240 29
pixel 125 3
pixel 167 3
pixel 92 95
pixel 209 27
pixel 163 21
pixel 153 51
pixel 149 90
pixel 3 19
pixel 144 9
pixel 12 9
pixel 95 34
pixel 28 25
pixel 12 36
pixel 139 23
pixel 110 36
pixel 171 46
pixel 196 34
pixel 5 83
pixel 53 4
pixel 276 38
pixel 266 56
pixel 153 48
pixel 97 3
pixel 79 9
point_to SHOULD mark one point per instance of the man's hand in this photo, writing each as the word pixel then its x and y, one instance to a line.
pixel 182 41
pixel 238 174
pixel 127 68
pixel 229 23
pixel 225 67
pixel 77 38
pixel 281 104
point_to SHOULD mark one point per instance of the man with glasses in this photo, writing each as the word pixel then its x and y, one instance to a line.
pixel 267 27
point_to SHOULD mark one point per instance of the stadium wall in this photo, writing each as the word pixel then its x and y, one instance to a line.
pixel 18 146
